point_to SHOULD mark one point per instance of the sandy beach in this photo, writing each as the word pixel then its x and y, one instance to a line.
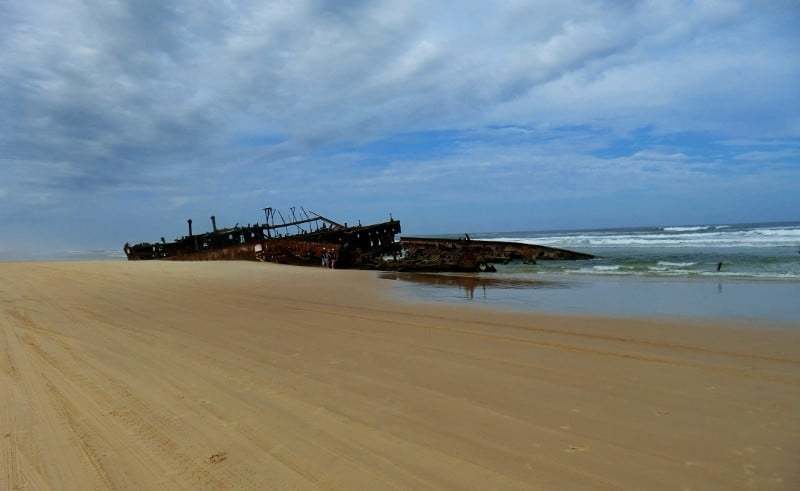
pixel 234 375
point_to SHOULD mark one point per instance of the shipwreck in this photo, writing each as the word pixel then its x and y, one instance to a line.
pixel 304 237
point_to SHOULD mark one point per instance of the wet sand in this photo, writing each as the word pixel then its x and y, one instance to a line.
pixel 251 376
pixel 761 302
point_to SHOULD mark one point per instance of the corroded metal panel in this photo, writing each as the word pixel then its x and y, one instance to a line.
pixel 310 237
pixel 464 254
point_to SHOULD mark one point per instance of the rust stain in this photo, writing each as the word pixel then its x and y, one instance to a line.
pixel 308 238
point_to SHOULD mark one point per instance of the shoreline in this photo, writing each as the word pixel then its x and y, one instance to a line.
pixel 723 300
pixel 238 374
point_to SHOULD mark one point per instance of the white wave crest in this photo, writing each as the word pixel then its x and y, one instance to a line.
pixel 686 229
pixel 657 271
pixel 601 271
pixel 756 237
pixel 676 265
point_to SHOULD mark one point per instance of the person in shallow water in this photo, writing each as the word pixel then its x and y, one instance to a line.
pixel 719 266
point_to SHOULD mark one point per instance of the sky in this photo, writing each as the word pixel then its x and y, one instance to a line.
pixel 121 119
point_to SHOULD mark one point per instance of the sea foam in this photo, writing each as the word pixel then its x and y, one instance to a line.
pixel 686 229
pixel 676 265
pixel 752 237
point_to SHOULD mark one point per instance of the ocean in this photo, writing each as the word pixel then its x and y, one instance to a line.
pixel 750 250
pixel 669 271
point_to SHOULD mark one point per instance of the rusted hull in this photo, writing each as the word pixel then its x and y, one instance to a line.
pixel 348 246
pixel 491 249
pixel 243 252
pixel 455 255
pixel 363 247
pixel 293 251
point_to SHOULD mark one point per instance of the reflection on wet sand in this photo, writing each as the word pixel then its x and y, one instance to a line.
pixel 469 283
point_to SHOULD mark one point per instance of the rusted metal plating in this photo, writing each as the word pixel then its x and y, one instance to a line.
pixel 308 238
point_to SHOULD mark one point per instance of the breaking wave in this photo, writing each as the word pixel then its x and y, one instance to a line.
pixel 686 229
pixel 698 237
pixel 680 265
pixel 666 272
pixel 759 251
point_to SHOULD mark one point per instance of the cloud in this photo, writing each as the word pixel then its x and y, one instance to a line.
pixel 201 104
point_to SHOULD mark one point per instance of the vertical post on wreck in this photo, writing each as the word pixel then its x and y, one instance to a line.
pixel 214 223
pixel 310 223
pixel 194 239
pixel 267 213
